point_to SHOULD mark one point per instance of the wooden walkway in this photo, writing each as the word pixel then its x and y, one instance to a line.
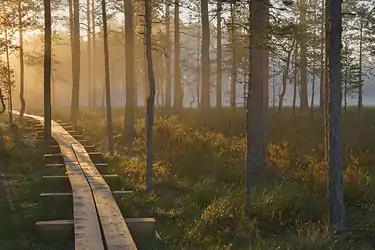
pixel 98 222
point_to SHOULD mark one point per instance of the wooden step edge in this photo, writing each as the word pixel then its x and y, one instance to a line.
pixel 65 194
pixel 105 176
pixel 63 165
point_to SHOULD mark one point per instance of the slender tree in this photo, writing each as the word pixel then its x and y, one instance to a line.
pixel 255 157
pixel 218 55
pixel 129 129
pixel 168 60
pixel 150 99
pixel 333 123
pixel 76 62
pixel 205 60
pixel 94 83
pixel 178 94
pixel 89 74
pixel 47 70
pixel 107 80
pixel 22 65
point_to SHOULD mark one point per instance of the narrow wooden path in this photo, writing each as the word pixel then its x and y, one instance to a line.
pixel 98 222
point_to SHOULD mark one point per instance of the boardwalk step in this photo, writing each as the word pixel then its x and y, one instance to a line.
pixel 68 194
pixel 61 183
pixel 139 227
pixel 58 157
pixel 102 167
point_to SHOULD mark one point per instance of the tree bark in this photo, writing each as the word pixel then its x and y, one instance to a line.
pixel 295 81
pixel 255 140
pixel 285 78
pixel 89 74
pixel 334 124
pixel 233 70
pixel 9 80
pixel 47 70
pixel 150 99
pixel 168 60
pixel 94 83
pixel 129 129
pixel 304 103
pixel 22 65
pixel 76 63
pixel 205 61
pixel 360 104
pixel 322 63
pixel 219 59
pixel 107 80
pixel 178 94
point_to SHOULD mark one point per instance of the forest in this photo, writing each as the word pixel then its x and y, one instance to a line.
pixel 239 124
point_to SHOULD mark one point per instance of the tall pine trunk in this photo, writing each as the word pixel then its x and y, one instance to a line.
pixel 22 65
pixel 178 95
pixel 234 69
pixel 94 83
pixel 255 116
pixel 295 79
pixel 205 61
pixel 218 55
pixel 47 70
pixel 107 80
pixel 168 60
pixel 333 123
pixel 360 104
pixel 304 103
pixel 150 99
pixel 9 79
pixel 322 63
pixel 76 63
pixel 89 74
pixel 129 129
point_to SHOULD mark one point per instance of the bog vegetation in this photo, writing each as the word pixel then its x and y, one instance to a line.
pixel 246 132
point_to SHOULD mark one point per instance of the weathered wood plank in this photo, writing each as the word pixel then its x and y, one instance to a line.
pixel 115 230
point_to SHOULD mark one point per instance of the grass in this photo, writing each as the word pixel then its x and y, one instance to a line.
pixel 21 165
pixel 199 181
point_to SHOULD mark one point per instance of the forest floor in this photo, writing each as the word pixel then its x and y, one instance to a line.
pixel 198 200
pixel 199 174
pixel 21 166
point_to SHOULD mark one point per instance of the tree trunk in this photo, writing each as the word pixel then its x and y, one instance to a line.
pixel 334 126
pixel 129 129
pixel 89 74
pixel 94 83
pixel 198 65
pixel 304 104
pixel 150 99
pixel 205 60
pixel 285 79
pixel 9 80
pixel 255 157
pixel 76 63
pixel 295 81
pixel 178 94
pixel 233 70
pixel 107 80
pixel 22 65
pixel 47 70
pixel 313 91
pixel 218 55
pixel 168 60
pixel 322 63
pixel 360 104
pixel 346 87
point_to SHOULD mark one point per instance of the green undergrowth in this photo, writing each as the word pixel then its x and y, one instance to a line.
pixel 198 197
pixel 21 166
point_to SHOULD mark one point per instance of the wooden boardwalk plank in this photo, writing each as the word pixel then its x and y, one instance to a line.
pixel 116 232
pixel 86 225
